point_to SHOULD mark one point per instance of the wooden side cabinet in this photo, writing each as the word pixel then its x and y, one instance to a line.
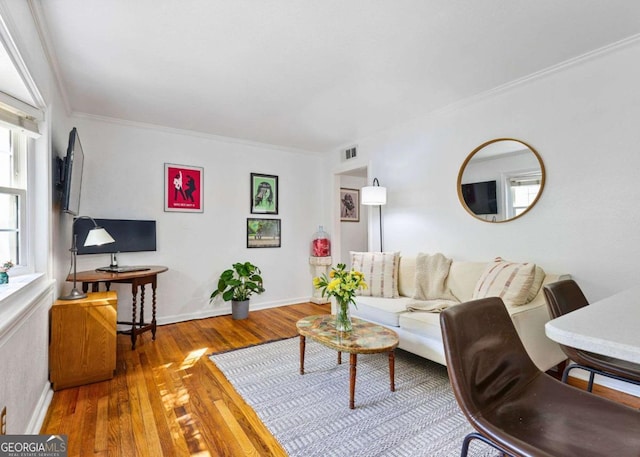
pixel 82 343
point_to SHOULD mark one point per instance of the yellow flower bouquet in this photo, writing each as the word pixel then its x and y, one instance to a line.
pixel 342 285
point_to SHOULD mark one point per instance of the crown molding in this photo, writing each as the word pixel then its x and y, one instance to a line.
pixel 192 133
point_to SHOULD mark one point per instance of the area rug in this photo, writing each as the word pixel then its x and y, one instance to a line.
pixel 309 414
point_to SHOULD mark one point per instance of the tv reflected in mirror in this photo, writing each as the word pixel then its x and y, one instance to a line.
pixel 480 197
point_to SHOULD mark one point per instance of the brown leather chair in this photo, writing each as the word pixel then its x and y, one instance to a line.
pixel 515 407
pixel 564 297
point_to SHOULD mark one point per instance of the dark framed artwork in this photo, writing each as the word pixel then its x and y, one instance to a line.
pixel 264 194
pixel 263 233
pixel 183 188
pixel 349 205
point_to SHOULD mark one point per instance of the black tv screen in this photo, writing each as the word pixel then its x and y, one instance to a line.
pixel 129 235
pixel 480 197
pixel 72 175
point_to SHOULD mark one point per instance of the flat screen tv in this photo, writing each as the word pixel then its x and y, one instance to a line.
pixel 72 175
pixel 129 235
pixel 480 197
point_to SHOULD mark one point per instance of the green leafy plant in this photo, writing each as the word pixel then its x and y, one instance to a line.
pixel 239 282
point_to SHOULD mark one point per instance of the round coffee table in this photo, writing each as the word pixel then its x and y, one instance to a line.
pixel 365 338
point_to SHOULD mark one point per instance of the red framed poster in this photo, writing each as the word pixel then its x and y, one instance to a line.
pixel 183 188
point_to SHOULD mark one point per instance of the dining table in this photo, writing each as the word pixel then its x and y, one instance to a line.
pixel 610 326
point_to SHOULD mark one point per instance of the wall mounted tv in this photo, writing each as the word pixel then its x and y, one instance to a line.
pixel 480 197
pixel 130 235
pixel 71 175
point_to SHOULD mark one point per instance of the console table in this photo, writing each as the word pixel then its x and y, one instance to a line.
pixel 138 280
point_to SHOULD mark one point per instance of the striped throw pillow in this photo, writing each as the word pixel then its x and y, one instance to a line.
pixel 380 271
pixel 510 281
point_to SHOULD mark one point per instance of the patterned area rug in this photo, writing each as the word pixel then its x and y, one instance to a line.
pixel 309 414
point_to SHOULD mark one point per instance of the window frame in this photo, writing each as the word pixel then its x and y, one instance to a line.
pixel 19 149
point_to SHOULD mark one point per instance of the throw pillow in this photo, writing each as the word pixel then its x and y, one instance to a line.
pixel 432 271
pixel 508 280
pixel 538 279
pixel 380 271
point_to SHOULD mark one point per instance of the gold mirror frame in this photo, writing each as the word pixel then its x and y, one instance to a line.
pixel 470 157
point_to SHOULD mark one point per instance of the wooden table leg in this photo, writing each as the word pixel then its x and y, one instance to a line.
pixel 154 324
pixel 392 372
pixel 134 306
pixel 353 359
pixel 302 345
pixel 339 358
pixel 141 322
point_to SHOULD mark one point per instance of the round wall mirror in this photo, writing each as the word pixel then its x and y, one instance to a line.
pixel 501 180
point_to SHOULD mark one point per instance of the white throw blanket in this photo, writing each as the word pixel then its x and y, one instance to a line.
pixel 431 293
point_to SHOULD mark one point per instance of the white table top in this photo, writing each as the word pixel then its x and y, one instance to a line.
pixel 609 327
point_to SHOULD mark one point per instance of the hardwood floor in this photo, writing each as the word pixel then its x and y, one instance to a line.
pixel 168 399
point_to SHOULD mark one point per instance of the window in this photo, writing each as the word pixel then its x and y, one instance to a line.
pixel 13 196
pixel 522 190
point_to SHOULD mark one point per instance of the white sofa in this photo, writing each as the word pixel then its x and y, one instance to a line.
pixel 419 331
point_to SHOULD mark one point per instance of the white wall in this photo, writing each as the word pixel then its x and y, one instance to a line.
pixel 583 121
pixel 123 178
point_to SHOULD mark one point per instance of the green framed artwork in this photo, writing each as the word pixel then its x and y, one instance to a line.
pixel 263 233
pixel 264 194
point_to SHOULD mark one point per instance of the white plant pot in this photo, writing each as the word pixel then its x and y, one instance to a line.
pixel 239 309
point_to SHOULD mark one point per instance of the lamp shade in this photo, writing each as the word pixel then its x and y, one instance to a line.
pixel 98 236
pixel 373 195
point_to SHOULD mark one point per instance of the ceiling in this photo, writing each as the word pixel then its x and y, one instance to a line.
pixel 311 75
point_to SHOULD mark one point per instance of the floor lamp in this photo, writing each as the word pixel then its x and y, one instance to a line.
pixel 96 237
pixel 375 195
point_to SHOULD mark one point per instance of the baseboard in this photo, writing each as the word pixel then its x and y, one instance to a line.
pixel 40 411
pixel 226 309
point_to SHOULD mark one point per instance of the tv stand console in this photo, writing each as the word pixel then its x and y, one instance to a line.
pixel 138 279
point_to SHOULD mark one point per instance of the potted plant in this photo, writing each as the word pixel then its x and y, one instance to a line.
pixel 4 277
pixel 238 284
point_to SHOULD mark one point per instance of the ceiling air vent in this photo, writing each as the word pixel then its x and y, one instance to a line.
pixel 350 153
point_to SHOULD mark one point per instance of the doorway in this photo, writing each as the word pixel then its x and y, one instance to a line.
pixel 351 229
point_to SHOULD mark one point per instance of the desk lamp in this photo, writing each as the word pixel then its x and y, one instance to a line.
pixel 375 195
pixel 95 237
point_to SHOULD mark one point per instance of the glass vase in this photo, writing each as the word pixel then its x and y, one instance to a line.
pixel 4 277
pixel 343 317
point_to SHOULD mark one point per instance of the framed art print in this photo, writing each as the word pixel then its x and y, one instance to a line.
pixel 263 233
pixel 264 194
pixel 183 188
pixel 349 205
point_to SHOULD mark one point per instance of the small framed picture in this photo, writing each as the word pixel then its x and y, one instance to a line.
pixel 263 233
pixel 264 194
pixel 349 205
pixel 183 188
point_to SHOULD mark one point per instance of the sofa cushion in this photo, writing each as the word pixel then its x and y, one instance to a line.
pixel 421 323
pixel 383 311
pixel 510 281
pixel 463 277
pixel 407 276
pixel 380 271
